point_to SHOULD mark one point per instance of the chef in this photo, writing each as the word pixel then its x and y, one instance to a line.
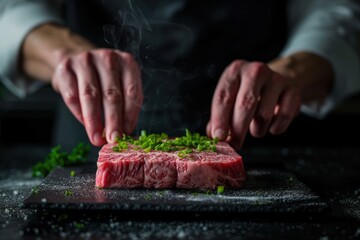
pixel 224 68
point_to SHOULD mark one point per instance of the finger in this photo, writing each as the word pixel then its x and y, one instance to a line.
pixel 252 80
pixel 108 69
pixel 224 99
pixel 287 111
pixel 64 82
pixel 132 91
pixel 90 100
pixel 265 111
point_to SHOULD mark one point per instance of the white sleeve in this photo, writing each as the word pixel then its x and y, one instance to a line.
pixel 17 19
pixel 331 29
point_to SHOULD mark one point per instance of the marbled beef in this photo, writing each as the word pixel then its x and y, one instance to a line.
pixel 201 170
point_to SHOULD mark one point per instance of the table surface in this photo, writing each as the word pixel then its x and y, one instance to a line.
pixel 332 173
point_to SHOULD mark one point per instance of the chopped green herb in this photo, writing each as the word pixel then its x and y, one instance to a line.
pixel 63 217
pixel 68 193
pixel 72 173
pixel 58 158
pixel 161 193
pixel 220 189
pixel 291 179
pixel 79 225
pixel 35 190
pixel 161 142
pixel 148 197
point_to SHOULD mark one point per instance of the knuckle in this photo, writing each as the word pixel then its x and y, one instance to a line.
pixel 84 58
pixel 92 121
pixel 248 101
pixel 108 59
pixel 256 70
pixel 70 98
pixel 223 97
pixel 112 95
pixel 234 68
pixel 134 94
pixel 113 119
pixel 127 57
pixel 90 92
pixel 62 72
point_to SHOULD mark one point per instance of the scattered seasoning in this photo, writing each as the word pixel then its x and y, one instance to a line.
pixel 68 193
pixel 72 173
pixel 57 158
pixel 161 142
pixel 220 189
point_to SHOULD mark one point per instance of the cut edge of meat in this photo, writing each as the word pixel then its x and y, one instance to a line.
pixel 223 177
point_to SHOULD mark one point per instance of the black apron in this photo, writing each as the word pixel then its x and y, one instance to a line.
pixel 182 47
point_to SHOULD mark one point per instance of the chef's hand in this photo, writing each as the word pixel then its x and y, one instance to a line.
pixel 98 84
pixel 261 98
pixel 95 84
pixel 250 96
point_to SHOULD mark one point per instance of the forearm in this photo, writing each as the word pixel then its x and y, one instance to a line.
pixel 46 46
pixel 310 73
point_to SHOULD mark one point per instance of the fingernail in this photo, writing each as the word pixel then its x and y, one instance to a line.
pixel 114 135
pixel 220 134
pixel 98 139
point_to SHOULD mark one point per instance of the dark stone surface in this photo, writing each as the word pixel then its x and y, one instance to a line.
pixel 331 173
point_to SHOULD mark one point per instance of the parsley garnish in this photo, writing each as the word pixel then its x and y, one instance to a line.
pixel 68 193
pixel 35 190
pixel 58 158
pixel 220 189
pixel 79 225
pixel 161 142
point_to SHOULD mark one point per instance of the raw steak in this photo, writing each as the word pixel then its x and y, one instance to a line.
pixel 201 170
pixel 119 170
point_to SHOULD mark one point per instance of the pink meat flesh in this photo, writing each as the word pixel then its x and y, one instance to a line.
pixel 199 170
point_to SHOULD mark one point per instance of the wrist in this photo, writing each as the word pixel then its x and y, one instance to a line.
pixel 310 73
pixel 46 46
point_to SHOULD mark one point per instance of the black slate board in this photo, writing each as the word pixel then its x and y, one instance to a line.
pixel 265 191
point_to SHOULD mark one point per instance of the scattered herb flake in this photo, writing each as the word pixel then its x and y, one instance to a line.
pixel 79 225
pixel 72 173
pixel 161 142
pixel 291 179
pixel 220 189
pixel 56 158
pixel 148 197
pixel 62 217
pixel 68 193
pixel 35 190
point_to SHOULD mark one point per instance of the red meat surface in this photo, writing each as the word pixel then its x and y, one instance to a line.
pixel 198 170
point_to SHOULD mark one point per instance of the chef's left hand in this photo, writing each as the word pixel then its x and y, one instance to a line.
pixel 251 97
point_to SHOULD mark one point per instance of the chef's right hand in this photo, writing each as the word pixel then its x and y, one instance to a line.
pixel 101 84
